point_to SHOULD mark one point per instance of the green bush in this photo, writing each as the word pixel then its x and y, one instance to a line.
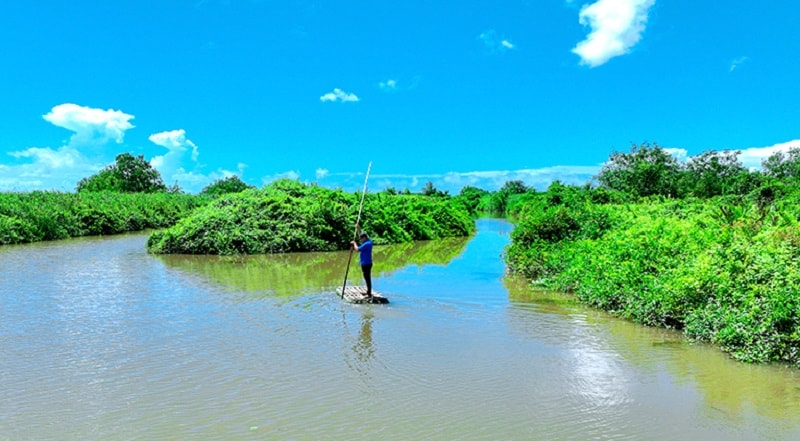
pixel 231 184
pixel 37 216
pixel 289 216
pixel 723 270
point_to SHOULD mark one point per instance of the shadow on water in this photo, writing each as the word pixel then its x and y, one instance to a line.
pixel 295 274
pixel 728 387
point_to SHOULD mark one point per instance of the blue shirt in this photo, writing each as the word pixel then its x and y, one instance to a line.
pixel 365 250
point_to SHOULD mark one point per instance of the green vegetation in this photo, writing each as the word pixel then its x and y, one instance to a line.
pixel 129 174
pixel 125 196
pixel 231 184
pixel 289 216
pixel 706 247
pixel 38 215
pixel 129 195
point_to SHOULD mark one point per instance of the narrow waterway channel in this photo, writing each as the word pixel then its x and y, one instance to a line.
pixel 102 341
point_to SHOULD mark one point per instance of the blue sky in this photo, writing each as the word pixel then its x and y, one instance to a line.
pixel 456 93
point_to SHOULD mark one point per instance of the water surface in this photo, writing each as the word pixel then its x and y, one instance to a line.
pixel 102 341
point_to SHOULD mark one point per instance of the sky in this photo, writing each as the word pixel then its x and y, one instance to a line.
pixel 453 93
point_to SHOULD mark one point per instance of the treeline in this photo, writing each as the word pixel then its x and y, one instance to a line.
pixel 705 246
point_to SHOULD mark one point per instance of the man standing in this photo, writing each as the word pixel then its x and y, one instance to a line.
pixel 365 251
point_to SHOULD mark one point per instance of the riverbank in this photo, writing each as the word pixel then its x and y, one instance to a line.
pixel 722 270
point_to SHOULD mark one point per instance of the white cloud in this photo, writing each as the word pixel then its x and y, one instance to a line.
pixel 89 124
pixel 388 85
pixel 495 43
pixel 291 174
pixel 539 178
pixel 617 25
pixel 453 182
pixel 321 173
pixel 60 169
pixel 677 153
pixel 175 141
pixel 171 163
pixel 45 168
pixel 737 62
pixel 752 157
pixel 339 95
pixel 49 169
pixel 65 157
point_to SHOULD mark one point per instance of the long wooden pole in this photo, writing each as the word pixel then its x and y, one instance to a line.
pixel 355 232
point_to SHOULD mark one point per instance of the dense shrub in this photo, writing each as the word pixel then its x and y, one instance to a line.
pixel 723 270
pixel 289 216
pixel 37 216
pixel 231 184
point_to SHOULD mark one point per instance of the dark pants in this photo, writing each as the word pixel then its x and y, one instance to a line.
pixel 367 270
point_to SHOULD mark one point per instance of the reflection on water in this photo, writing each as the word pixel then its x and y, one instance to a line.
pixel 730 390
pixel 302 273
pixel 362 354
pixel 102 341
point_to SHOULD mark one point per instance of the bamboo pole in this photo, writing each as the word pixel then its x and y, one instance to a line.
pixel 355 232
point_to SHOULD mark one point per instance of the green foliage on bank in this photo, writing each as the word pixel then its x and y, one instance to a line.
pixel 40 215
pixel 719 259
pixel 288 216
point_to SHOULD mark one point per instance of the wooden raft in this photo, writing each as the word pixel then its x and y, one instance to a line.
pixel 358 294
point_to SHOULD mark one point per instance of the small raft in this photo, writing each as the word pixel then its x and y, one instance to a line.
pixel 358 294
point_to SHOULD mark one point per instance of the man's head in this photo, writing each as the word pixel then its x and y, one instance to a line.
pixel 363 236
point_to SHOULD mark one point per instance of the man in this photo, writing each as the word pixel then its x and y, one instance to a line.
pixel 365 251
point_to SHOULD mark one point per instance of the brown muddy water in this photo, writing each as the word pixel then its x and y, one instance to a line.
pixel 101 341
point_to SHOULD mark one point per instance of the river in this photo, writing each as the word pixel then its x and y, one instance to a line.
pixel 102 341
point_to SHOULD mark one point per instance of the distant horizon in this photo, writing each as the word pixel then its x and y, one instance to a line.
pixel 476 95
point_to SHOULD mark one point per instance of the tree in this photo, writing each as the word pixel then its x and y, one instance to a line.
pixel 471 197
pixel 129 174
pixel 231 184
pixel 783 165
pixel 644 171
pixel 514 187
pixel 713 173
pixel 499 199
pixel 430 190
